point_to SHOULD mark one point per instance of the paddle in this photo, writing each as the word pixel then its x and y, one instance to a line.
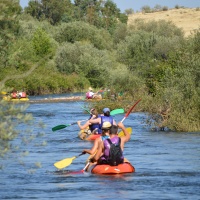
pixel 67 161
pixel 113 112
pixel 64 126
pixel 83 107
pixel 129 111
pixel 117 111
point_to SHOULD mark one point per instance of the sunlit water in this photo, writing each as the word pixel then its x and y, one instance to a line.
pixel 167 163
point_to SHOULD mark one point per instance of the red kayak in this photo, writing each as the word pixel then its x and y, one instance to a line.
pixel 111 170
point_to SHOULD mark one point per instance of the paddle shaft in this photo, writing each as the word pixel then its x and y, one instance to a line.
pixel 129 111
pixel 83 107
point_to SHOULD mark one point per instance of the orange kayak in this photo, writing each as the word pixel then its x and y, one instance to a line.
pixel 83 135
pixel 110 170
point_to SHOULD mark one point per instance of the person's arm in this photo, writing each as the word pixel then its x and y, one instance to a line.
pixel 114 122
pixel 93 149
pixel 126 136
pixel 95 121
pixel 83 126
pixel 99 151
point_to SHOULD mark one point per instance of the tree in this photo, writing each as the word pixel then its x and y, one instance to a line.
pixel 129 11
pixel 9 25
pixel 54 11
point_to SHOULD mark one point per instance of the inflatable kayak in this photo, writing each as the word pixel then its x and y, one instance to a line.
pixel 7 98
pixel 84 135
pixel 123 168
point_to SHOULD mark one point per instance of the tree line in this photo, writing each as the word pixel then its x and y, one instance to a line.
pixel 88 43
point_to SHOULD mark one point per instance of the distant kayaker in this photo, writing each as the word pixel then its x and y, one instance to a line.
pixel 91 95
pixel 102 155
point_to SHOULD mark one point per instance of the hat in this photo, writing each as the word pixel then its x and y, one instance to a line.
pixel 106 110
pixel 90 89
pixel 106 126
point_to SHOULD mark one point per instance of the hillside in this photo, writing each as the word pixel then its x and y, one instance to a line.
pixel 185 18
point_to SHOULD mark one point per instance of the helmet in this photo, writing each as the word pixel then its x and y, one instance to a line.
pixel 106 126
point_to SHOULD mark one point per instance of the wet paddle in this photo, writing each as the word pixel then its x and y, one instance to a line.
pixel 117 111
pixel 129 111
pixel 66 162
pixel 64 126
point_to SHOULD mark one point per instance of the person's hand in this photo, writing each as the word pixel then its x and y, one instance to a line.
pixel 92 160
pixel 120 125
pixel 84 152
pixel 78 122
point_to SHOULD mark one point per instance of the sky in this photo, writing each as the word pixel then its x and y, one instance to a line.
pixel 136 5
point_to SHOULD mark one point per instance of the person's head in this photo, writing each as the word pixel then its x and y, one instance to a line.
pixel 106 127
pixel 93 111
pixel 113 130
pixel 90 89
pixel 106 112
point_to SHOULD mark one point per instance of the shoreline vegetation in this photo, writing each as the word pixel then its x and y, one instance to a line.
pixel 50 52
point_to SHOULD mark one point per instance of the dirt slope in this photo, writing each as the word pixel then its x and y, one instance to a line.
pixel 185 18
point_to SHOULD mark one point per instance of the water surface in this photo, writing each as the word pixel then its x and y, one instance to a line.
pixel 167 163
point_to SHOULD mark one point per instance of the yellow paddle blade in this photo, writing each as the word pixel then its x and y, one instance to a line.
pixel 64 163
pixel 121 133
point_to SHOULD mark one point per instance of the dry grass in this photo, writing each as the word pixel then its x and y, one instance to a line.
pixel 185 18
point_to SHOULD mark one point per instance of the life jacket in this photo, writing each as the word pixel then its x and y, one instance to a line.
pixel 106 119
pixel 88 95
pixel 95 126
pixel 14 95
pixel 113 154
pixel 23 95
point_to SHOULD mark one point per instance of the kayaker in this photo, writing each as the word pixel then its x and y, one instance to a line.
pixel 102 155
pixel 91 95
pixel 105 118
pixel 105 135
pixel 93 128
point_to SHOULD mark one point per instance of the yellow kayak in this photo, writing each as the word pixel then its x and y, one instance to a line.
pixel 8 98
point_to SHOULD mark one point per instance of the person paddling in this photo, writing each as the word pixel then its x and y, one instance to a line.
pixel 91 95
pixel 105 118
pixel 93 128
pixel 102 156
pixel 105 135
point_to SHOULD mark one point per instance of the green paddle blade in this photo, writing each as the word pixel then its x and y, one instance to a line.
pixel 117 111
pixel 59 127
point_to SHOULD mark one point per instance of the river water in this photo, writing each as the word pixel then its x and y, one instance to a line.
pixel 167 164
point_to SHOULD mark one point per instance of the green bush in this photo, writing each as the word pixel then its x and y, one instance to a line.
pixel 80 31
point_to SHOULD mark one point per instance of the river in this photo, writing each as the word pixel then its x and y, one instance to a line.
pixel 167 164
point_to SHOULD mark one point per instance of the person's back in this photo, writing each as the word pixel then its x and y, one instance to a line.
pixel 103 153
pixel 97 143
pixel 112 153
